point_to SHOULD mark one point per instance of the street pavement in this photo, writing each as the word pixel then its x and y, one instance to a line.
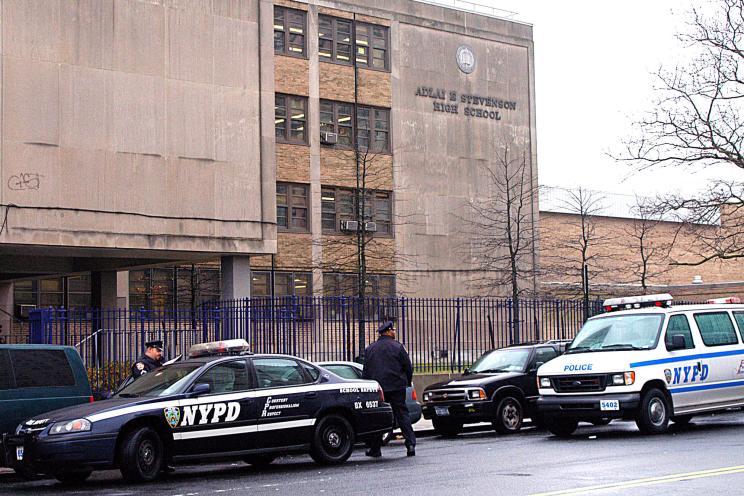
pixel 706 457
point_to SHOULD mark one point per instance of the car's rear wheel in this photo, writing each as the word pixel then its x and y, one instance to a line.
pixel 601 421
pixel 446 428
pixel 141 455
pixel 259 461
pixel 333 440
pixel 73 477
pixel 654 415
pixel 509 416
pixel 562 427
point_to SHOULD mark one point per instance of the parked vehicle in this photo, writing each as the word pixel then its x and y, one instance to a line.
pixel 647 361
pixel 353 370
pixel 222 402
pixel 500 388
pixel 35 379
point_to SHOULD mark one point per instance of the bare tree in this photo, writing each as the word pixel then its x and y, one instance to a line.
pixel 647 247
pixel 697 122
pixel 580 251
pixel 501 229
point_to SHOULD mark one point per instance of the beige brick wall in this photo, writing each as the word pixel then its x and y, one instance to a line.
pixel 291 75
pixel 339 254
pixel 294 253
pixel 292 163
pixel 338 168
pixel 375 88
pixel 292 5
pixel 337 83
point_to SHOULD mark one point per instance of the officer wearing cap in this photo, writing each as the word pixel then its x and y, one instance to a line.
pixel 387 362
pixel 152 359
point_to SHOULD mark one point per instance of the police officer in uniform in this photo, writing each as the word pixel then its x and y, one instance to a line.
pixel 387 362
pixel 152 359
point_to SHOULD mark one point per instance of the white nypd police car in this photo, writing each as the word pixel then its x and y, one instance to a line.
pixel 216 404
pixel 647 361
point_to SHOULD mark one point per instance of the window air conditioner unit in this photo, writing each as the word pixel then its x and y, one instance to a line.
pixel 24 309
pixel 349 225
pixel 328 138
pixel 370 226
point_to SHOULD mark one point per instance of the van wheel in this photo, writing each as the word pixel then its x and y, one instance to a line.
pixel 333 440
pixel 682 419
pixel 509 416
pixel 562 427
pixel 141 455
pixel 653 417
pixel 446 428
pixel 259 461
pixel 601 421
pixel 71 478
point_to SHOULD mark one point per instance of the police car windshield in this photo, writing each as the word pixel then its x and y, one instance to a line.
pixel 161 382
pixel 501 361
pixel 618 333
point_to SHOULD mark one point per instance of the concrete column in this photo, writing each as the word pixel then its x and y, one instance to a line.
pixel 316 228
pixel 6 311
pixel 236 277
pixel 122 290
pixel 104 289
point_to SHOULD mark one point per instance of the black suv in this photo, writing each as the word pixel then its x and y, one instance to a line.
pixel 500 387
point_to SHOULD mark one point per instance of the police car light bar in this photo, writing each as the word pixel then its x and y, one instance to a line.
pixel 729 299
pixel 228 347
pixel 631 302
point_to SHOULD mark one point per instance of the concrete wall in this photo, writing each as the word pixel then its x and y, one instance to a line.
pixel 136 125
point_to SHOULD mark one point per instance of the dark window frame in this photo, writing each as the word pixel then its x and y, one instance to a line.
pixel 374 42
pixel 286 31
pixel 688 331
pixel 291 205
pixel 370 204
pixel 286 116
pixel 371 128
pixel 292 275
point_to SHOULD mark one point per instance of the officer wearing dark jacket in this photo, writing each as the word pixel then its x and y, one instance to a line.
pixel 152 359
pixel 387 362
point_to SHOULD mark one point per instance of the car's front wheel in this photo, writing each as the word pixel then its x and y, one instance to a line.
pixel 446 428
pixel 333 440
pixel 654 415
pixel 562 427
pixel 73 477
pixel 141 455
pixel 509 416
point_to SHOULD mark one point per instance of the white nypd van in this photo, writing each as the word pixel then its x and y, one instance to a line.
pixel 647 361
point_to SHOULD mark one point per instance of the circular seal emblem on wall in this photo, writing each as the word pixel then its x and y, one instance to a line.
pixel 465 59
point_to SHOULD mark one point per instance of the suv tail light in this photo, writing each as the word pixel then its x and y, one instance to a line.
pixel 413 394
pixel 91 399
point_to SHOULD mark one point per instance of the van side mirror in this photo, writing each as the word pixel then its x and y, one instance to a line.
pixel 200 389
pixel 678 343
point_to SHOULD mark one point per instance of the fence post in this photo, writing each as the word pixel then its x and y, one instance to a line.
pixel 403 320
pixel 37 318
pixel 62 326
pixel 459 338
pixel 510 319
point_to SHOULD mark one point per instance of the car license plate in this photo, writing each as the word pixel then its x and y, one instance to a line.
pixel 441 411
pixel 609 405
pixel 19 453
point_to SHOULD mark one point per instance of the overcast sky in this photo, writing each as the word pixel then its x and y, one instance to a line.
pixel 594 64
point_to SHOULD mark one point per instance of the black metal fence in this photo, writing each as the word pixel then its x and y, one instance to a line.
pixel 440 334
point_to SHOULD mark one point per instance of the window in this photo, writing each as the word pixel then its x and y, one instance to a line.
pixel 286 284
pixel 739 318
pixel 339 284
pixel 337 204
pixel 173 287
pixel 345 371
pixel 716 329
pixel 226 377
pixel 41 368
pixel 51 293
pixel 679 326
pixel 290 119
pixel 335 42
pixel 292 206
pixel 373 125
pixel 289 31
pixel 311 372
pixel 278 372
pixel 334 39
pixel 78 292
pixel 543 355
pixel 70 292
pixel 196 285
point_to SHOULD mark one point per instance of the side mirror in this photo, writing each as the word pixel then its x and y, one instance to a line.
pixel 466 372
pixel 324 378
pixel 536 366
pixel 678 343
pixel 200 389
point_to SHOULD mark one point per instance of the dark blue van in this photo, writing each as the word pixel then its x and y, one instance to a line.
pixel 38 378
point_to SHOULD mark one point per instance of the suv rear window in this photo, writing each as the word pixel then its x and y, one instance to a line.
pixel 41 368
